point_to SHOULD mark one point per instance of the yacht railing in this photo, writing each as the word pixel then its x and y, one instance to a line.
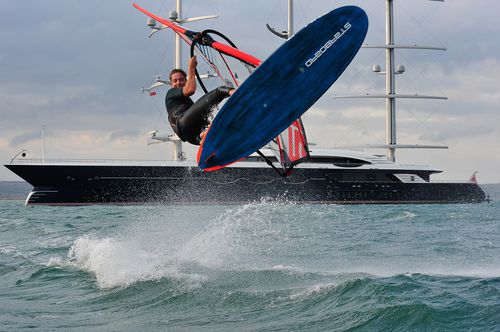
pixel 84 161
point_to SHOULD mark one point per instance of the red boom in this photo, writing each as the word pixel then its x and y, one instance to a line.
pixel 223 48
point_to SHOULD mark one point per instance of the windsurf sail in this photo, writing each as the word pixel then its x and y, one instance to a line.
pixel 231 70
pixel 290 147
pixel 232 66
pixel 222 59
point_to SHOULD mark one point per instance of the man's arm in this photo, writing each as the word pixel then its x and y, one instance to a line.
pixel 190 87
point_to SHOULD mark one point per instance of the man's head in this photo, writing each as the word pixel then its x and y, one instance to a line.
pixel 178 78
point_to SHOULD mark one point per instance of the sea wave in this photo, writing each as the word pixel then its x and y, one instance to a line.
pixel 283 299
pixel 242 237
pixel 269 265
pixel 263 236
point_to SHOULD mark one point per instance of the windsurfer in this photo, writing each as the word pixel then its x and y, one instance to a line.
pixel 187 118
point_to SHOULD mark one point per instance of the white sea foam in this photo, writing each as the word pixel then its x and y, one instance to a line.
pixel 55 261
pixel 386 269
pixel 402 216
pixel 8 250
pixel 114 261
pixel 312 291
pixel 239 238
pixel 285 268
pixel 194 244
pixel 13 251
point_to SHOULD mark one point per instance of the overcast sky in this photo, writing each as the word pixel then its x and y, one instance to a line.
pixel 77 68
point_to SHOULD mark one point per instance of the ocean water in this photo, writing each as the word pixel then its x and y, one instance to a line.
pixel 266 266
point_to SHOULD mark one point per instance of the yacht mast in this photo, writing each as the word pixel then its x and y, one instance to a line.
pixel 43 143
pixel 390 95
pixel 290 31
pixel 286 34
pixel 178 45
pixel 176 16
pixel 390 80
pixel 390 88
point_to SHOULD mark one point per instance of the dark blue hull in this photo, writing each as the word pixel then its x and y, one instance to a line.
pixel 90 184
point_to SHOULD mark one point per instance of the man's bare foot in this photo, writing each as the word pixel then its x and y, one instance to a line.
pixel 204 132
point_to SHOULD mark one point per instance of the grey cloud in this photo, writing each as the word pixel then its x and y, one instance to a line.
pixel 79 65
pixel 16 141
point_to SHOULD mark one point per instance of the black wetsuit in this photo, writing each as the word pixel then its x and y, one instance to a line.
pixel 188 119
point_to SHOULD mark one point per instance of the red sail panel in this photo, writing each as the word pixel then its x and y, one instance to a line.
pixel 292 144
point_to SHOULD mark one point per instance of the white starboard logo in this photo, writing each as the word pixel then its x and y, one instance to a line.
pixel 328 44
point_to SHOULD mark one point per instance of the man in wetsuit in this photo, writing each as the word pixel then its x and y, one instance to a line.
pixel 189 119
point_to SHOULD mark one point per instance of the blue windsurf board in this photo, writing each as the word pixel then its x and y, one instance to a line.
pixel 283 87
